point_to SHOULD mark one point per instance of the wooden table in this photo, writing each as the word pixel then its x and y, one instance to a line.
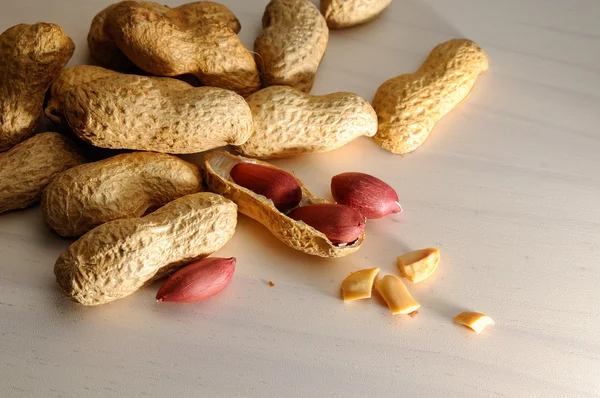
pixel 507 187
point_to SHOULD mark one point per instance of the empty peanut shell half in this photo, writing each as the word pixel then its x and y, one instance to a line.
pixel 295 234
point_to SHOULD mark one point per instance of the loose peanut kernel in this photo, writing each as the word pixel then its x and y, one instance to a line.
pixel 396 295
pixel 359 284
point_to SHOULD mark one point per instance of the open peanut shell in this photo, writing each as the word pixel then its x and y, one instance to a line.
pixel 295 234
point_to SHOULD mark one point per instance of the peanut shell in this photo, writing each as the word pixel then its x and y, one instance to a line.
pixel 409 106
pixel 123 186
pixel 156 114
pixel 29 166
pixel 31 56
pixel 346 13
pixel 289 122
pixel 292 44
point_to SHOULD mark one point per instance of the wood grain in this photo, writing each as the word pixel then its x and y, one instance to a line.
pixel 507 187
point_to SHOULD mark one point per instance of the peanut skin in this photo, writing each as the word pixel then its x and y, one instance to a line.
pixel 296 234
pixel 292 44
pixel 29 166
pixel 158 45
pixel 289 122
pixel 409 106
pixel 156 114
pixel 104 49
pixel 31 56
pixel 346 13
pixel 123 186
pixel 115 259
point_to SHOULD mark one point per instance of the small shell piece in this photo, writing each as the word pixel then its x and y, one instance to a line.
pixel 117 258
pixel 474 321
pixel 359 284
pixel 289 122
pixel 409 106
pixel 122 186
pixel 295 234
pixel 346 13
pixel 396 295
pixel 418 265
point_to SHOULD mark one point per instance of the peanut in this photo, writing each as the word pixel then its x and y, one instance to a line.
pixel 104 49
pixel 359 285
pixel 289 122
pixel 418 265
pixel 279 186
pixel 367 194
pixel 474 321
pixel 409 106
pixel 66 81
pixel 346 13
pixel 156 114
pixel 117 258
pixel 295 234
pixel 341 224
pixel 123 186
pixel 396 295
pixel 292 43
pixel 158 45
pixel 29 166
pixel 197 281
pixel 31 56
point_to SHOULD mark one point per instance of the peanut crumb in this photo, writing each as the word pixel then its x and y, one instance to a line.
pixel 271 284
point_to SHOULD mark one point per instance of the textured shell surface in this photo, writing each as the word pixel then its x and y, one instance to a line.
pixel 156 114
pixel 292 44
pixel 122 186
pixel 295 234
pixel 289 122
pixel 347 13
pixel 31 57
pixel 409 106
pixel 105 51
pixel 117 258
pixel 29 166
pixel 161 46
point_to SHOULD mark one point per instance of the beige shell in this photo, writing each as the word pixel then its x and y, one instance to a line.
pixel 123 186
pixel 31 56
pixel 156 114
pixel 409 106
pixel 346 13
pixel 29 166
pixel 210 51
pixel 289 122
pixel 292 43
pixel 66 81
pixel 104 49
pixel 295 234
pixel 117 258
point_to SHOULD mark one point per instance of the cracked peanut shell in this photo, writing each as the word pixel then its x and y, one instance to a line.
pixel 29 166
pixel 104 49
pixel 409 106
pixel 291 44
pixel 115 259
pixel 31 56
pixel 156 114
pixel 295 234
pixel 123 186
pixel 289 122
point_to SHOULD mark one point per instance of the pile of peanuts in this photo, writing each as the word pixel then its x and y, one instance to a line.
pixel 144 214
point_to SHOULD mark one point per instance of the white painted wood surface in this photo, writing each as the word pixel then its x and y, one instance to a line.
pixel 507 187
